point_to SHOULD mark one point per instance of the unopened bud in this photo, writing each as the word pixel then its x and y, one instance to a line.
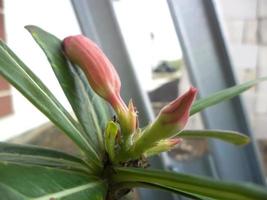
pixel 170 121
pixel 102 76
pixel 99 71
pixel 176 113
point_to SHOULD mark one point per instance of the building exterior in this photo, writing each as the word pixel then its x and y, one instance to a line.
pixel 246 27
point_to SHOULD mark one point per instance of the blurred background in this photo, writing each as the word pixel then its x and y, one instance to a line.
pixel 153 40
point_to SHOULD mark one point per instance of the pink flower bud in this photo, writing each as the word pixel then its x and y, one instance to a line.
pixel 99 71
pixel 102 77
pixel 177 112
pixel 170 121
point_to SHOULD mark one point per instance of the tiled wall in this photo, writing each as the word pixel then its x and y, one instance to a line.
pixel 5 94
pixel 246 27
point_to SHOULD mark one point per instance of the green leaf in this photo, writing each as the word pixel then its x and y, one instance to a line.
pixel 227 136
pixel 196 186
pixel 40 183
pixel 127 185
pixel 22 78
pixel 110 139
pixel 90 109
pixel 223 95
pixel 40 156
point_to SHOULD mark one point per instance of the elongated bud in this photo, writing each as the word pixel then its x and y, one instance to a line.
pixel 170 121
pixel 100 72
pixel 162 146
pixel 176 113
pixel 102 77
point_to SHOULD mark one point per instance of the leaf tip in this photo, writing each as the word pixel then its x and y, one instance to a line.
pixel 243 141
pixel 30 28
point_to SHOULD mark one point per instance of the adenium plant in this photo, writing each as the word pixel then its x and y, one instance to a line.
pixel 114 149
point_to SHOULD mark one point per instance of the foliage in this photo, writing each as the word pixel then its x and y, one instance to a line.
pixel 113 151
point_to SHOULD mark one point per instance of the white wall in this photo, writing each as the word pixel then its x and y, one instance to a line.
pixel 56 17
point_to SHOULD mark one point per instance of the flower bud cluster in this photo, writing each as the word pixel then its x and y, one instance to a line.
pixel 104 80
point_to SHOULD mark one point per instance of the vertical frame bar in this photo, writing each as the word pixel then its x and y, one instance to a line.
pixel 205 50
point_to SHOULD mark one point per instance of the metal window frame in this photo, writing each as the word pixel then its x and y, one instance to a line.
pixel 205 49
